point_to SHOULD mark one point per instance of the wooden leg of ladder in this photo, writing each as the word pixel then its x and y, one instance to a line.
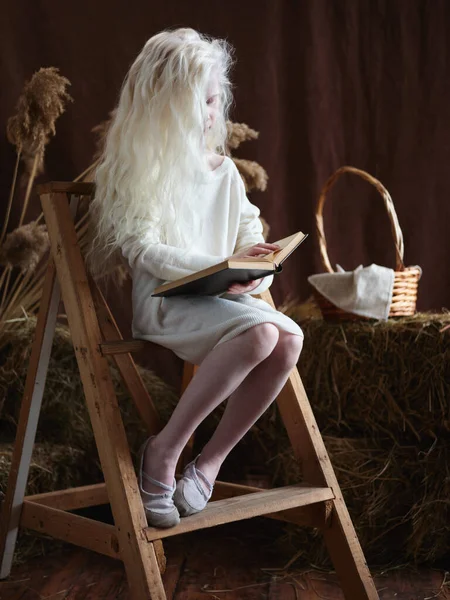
pixel 126 364
pixel 138 555
pixel 28 419
pixel 340 537
pixel 308 447
pixel 132 379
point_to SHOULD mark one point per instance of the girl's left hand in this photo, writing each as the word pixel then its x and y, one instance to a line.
pixel 242 288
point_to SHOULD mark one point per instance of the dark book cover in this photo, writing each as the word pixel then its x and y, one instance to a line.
pixel 218 282
pixel 218 278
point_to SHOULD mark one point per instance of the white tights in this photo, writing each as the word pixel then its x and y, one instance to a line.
pixel 250 370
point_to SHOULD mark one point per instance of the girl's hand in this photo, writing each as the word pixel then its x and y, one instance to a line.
pixel 242 288
pixel 257 250
pixel 260 249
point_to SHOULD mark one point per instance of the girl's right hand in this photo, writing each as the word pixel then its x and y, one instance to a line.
pixel 260 249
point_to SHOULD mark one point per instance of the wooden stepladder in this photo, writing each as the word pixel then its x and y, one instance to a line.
pixel 317 503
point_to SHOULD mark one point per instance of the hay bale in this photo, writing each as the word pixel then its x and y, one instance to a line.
pixel 65 454
pixel 398 498
pixel 380 393
pixel 53 467
pixel 387 379
pixel 64 417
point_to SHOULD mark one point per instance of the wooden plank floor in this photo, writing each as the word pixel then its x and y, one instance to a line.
pixel 228 563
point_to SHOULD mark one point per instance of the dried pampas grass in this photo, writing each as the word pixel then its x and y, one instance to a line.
pixel 42 101
pixel 238 133
pixel 40 104
pixel 25 246
pixel 254 175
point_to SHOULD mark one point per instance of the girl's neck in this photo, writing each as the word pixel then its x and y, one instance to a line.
pixel 214 160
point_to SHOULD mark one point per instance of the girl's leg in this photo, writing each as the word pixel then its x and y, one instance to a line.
pixel 221 372
pixel 249 401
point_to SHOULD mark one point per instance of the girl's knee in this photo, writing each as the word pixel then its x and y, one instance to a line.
pixel 263 338
pixel 288 349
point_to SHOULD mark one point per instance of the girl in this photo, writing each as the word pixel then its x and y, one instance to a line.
pixel 171 201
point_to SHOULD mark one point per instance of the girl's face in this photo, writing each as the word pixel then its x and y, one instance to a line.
pixel 212 102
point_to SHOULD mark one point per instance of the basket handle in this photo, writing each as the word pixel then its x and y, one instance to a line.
pixel 395 227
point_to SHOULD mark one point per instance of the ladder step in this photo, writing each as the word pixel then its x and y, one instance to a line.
pixel 245 507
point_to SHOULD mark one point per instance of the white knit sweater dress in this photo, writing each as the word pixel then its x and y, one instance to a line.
pixel 192 325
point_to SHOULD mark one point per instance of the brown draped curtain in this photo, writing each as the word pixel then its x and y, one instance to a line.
pixel 326 83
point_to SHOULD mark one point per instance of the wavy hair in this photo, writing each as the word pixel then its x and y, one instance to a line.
pixel 155 150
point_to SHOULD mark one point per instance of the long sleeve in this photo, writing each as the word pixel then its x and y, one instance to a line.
pixel 263 286
pixel 165 262
pixel 250 232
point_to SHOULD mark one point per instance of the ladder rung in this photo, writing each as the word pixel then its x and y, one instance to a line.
pixel 82 531
pixel 123 346
pixel 245 507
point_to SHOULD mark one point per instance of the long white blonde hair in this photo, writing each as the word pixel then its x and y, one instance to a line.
pixel 155 149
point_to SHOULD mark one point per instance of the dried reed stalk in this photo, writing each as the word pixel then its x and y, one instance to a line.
pixel 7 273
pixel 28 190
pixel 41 102
pixel 10 198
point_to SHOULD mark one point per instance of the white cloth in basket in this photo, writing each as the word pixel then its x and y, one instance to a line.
pixel 366 291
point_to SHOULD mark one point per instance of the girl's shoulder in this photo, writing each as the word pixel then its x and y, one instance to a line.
pixel 219 162
pixel 225 166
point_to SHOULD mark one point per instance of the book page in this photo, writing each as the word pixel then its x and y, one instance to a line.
pixel 287 245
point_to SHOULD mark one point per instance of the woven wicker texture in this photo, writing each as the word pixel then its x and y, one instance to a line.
pixel 404 296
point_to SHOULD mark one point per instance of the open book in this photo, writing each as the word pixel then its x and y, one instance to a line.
pixel 218 278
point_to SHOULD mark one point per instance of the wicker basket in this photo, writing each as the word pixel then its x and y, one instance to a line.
pixel 406 279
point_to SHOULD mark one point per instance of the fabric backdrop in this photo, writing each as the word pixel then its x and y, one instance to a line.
pixel 325 82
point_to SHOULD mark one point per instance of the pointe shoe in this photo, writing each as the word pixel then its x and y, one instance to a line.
pixel 159 508
pixel 190 496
